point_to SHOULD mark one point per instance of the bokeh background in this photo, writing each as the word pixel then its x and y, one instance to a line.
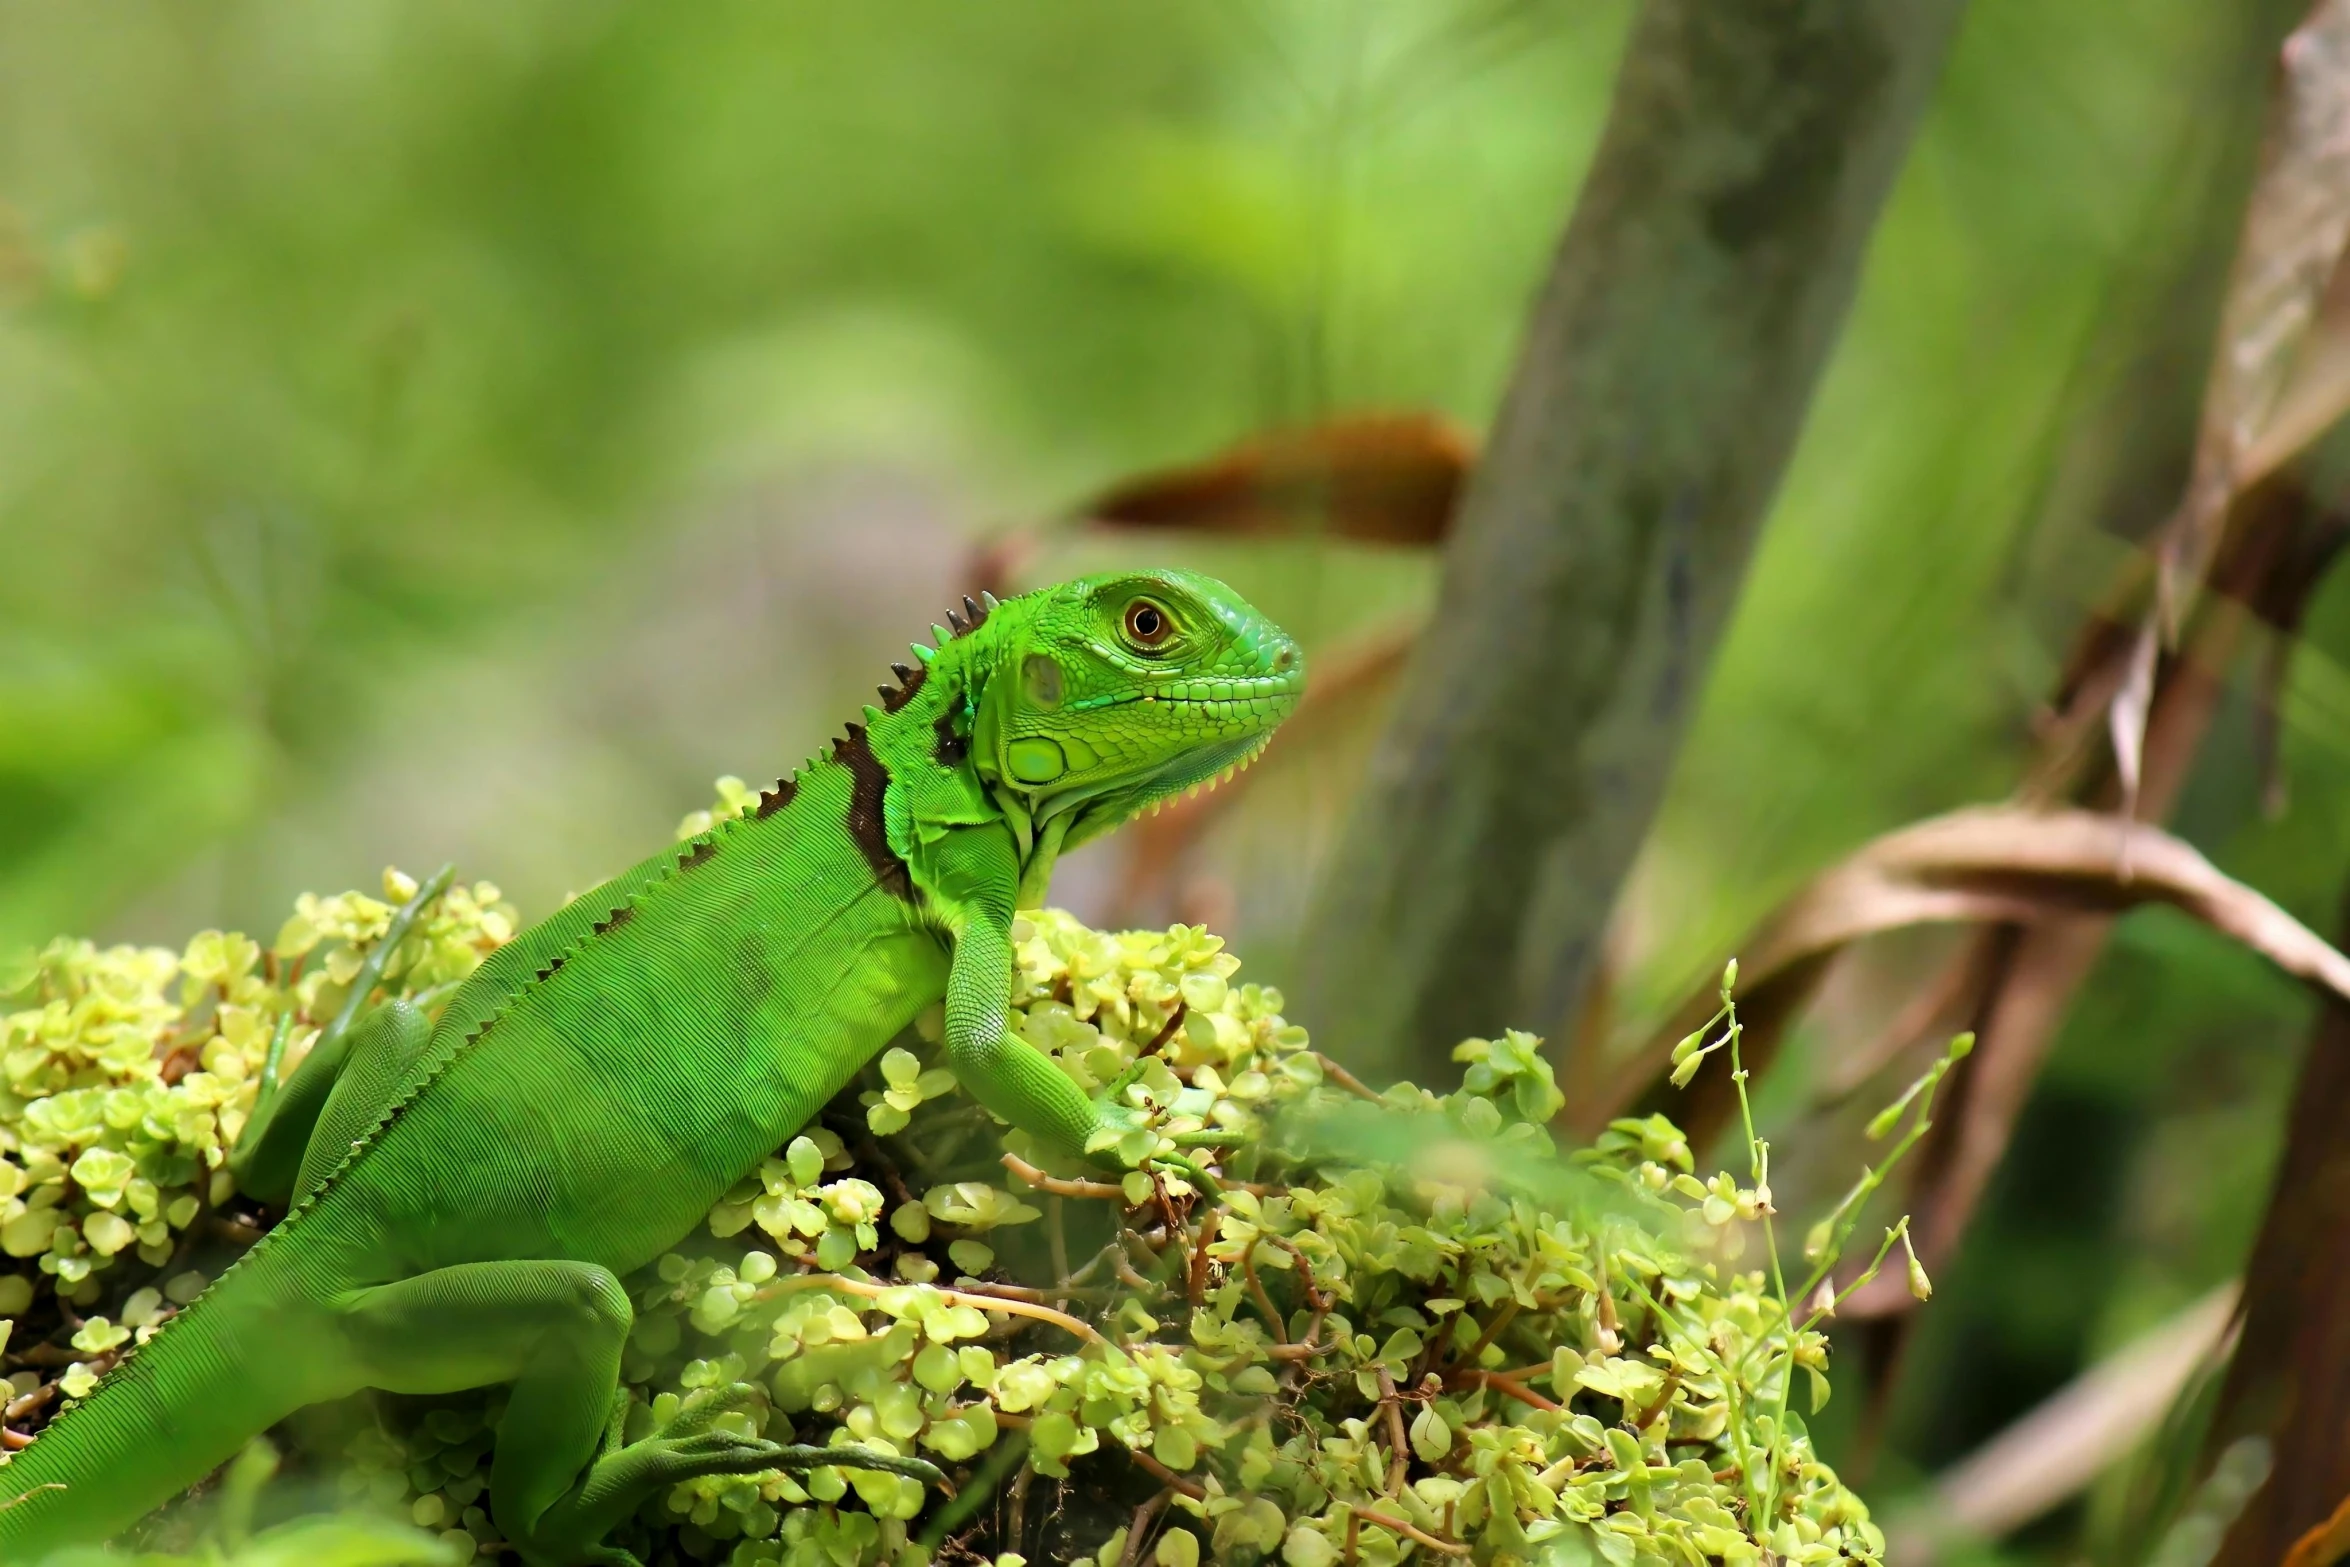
pixel 433 431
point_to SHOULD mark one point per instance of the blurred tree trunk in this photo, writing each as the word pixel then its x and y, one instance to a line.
pixel 2290 1379
pixel 1660 389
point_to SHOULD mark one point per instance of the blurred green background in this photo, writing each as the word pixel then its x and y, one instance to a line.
pixel 435 431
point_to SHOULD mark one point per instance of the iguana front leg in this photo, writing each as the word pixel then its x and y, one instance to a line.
pixel 1004 1072
pixel 977 881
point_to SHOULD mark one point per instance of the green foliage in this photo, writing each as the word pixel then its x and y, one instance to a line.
pixel 1381 1331
pixel 128 1073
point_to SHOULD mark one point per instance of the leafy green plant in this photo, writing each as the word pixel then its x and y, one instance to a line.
pixel 1378 1327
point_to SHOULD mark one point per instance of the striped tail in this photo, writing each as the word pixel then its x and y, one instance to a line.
pixel 215 1376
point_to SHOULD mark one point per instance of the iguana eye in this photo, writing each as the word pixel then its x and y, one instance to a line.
pixel 1147 625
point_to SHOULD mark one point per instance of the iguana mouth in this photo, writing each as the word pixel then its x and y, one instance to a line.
pixel 1246 693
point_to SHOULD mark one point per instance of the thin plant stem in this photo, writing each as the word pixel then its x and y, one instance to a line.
pixel 1758 1168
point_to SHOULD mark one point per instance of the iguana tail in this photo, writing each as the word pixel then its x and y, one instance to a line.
pixel 219 1373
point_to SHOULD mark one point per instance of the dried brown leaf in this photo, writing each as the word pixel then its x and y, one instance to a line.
pixel 1364 478
pixel 2126 720
pixel 1383 478
pixel 2054 1452
pixel 2316 394
pixel 2294 231
pixel 1984 865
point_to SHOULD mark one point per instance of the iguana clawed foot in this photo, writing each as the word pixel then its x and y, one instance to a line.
pixel 701 1439
pixel 1124 1138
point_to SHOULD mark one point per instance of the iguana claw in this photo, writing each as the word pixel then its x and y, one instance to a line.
pixel 799 1458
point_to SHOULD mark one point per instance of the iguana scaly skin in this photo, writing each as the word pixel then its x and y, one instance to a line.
pixel 464 1196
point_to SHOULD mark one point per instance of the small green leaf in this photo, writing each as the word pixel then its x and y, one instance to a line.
pixel 1431 1437
pixel 1175 1447
pixel 1052 1435
pixel 1307 1548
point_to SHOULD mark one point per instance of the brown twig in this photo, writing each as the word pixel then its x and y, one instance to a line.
pixel 1256 1292
pixel 1126 1274
pixel 1041 1296
pixel 1345 1079
pixel 1501 1319
pixel 1399 1462
pixel 1508 1387
pixel 1017 1308
pixel 1169 1217
pixel 1167 1476
pixel 1019 1518
pixel 1198 1291
pixel 1059 1186
pixel 1664 1397
pixel 1305 1270
pixel 1106 1254
pixel 1141 1525
pixel 1145 1254
pixel 1385 1521
pixel 29 1403
pixel 1167 1029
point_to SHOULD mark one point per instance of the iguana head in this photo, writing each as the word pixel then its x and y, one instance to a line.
pixel 1113 693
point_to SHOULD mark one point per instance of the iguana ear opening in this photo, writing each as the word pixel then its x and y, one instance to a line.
pixel 1040 680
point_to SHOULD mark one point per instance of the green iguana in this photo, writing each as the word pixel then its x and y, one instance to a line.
pixel 462 1198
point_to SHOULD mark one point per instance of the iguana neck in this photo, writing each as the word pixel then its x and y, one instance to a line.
pixel 933 732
